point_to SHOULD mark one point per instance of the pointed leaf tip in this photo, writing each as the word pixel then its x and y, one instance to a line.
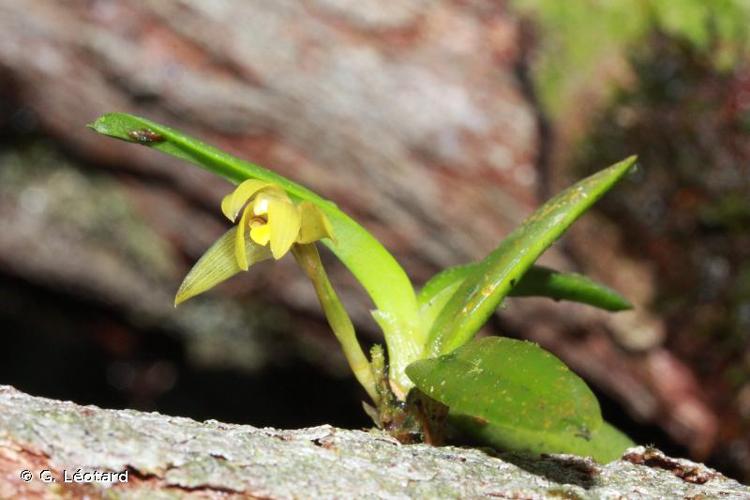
pixel 127 128
pixel 486 287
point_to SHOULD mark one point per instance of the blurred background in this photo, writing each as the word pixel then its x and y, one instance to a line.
pixel 439 125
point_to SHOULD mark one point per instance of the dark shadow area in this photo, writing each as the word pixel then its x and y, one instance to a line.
pixel 577 472
pixel 640 432
pixel 55 346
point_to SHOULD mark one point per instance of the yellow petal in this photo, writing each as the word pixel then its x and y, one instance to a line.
pixel 240 251
pixel 216 265
pixel 284 222
pixel 260 234
pixel 315 225
pixel 234 201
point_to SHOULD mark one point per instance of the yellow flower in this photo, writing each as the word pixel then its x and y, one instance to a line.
pixel 270 224
pixel 272 218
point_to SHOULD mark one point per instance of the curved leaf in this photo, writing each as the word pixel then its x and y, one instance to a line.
pixel 485 287
pixel 375 268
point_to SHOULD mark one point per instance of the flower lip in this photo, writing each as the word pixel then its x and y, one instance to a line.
pixel 257 220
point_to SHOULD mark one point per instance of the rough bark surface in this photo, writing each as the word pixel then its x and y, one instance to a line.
pixel 173 457
pixel 412 116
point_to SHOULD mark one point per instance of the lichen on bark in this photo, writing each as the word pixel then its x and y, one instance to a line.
pixel 170 457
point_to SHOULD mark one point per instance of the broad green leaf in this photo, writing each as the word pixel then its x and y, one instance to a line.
pixel 608 443
pixel 517 396
pixel 536 282
pixel 512 383
pixel 493 278
pixel 375 268
pixel 218 264
pixel 431 304
pixel 604 444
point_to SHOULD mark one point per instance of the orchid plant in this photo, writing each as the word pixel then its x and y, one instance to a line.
pixel 433 379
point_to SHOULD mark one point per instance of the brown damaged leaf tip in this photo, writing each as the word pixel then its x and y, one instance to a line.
pixel 145 136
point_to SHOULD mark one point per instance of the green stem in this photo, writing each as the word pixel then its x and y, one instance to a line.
pixel 309 260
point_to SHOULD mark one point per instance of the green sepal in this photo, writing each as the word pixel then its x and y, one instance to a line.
pixel 218 264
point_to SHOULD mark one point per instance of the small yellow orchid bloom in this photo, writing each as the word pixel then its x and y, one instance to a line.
pixel 273 219
pixel 269 226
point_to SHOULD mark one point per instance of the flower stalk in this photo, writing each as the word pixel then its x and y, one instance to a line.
pixel 309 260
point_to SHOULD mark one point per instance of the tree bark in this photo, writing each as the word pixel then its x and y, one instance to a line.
pixel 173 457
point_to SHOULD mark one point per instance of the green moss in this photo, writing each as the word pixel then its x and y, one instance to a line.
pixel 583 41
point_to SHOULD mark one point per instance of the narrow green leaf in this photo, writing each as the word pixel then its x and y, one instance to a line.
pixel 375 268
pixel 536 282
pixel 544 282
pixel 218 264
pixel 493 278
